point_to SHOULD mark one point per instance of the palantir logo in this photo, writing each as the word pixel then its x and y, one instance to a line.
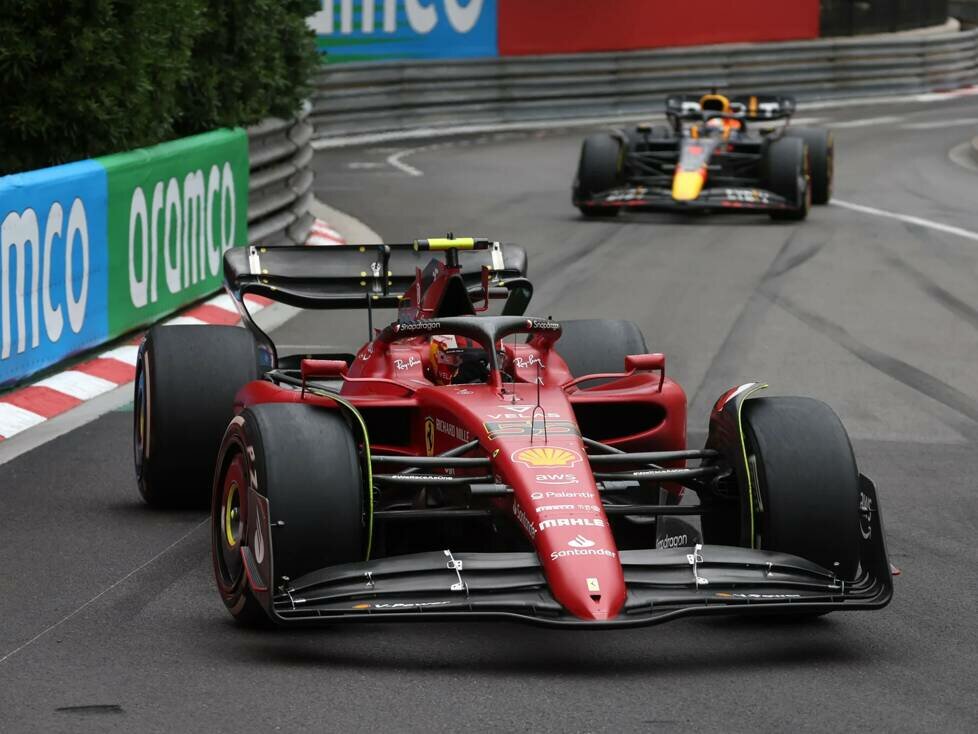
pixel 580 542
pixel 422 15
pixel 43 258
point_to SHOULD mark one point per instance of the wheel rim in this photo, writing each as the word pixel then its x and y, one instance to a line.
pixel 229 523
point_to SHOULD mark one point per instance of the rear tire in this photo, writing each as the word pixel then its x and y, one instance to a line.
pixel 821 159
pixel 598 171
pixel 591 346
pixel 186 380
pixel 785 172
pixel 807 482
pixel 304 460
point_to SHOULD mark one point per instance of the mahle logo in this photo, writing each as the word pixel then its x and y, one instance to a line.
pixel 179 231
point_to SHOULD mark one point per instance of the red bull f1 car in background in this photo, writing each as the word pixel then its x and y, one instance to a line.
pixel 461 465
pixel 710 157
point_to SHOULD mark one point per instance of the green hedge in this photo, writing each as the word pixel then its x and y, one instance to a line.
pixel 83 78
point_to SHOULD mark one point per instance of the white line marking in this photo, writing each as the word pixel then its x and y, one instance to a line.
pixel 919 221
pixel 364 165
pixel 865 122
pixel 14 420
pixel 185 321
pixel 959 122
pixel 963 155
pixel 395 160
pixel 125 354
pixel 102 593
pixel 225 302
pixel 77 384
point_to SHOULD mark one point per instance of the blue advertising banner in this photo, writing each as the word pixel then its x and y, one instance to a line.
pixel 53 266
pixel 378 30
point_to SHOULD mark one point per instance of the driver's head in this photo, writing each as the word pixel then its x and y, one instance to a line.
pixel 715 103
pixel 446 358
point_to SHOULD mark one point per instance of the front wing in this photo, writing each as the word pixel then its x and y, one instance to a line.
pixel 662 585
pixel 712 199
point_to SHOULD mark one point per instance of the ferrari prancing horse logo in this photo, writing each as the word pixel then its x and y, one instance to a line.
pixel 429 436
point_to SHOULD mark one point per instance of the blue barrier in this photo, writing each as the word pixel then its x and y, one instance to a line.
pixel 53 266
pixel 376 30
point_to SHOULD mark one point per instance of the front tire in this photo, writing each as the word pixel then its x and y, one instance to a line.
pixel 786 172
pixel 304 460
pixel 598 171
pixel 186 380
pixel 807 483
pixel 821 158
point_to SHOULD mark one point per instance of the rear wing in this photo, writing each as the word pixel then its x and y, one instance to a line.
pixel 745 106
pixel 351 276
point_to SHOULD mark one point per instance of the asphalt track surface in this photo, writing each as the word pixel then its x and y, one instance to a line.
pixel 109 620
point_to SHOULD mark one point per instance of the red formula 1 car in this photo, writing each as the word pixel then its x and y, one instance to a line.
pixel 462 465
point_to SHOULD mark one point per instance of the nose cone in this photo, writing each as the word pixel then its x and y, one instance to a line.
pixel 582 566
pixel 686 185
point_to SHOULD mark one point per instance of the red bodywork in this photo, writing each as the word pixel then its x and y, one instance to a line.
pixel 555 500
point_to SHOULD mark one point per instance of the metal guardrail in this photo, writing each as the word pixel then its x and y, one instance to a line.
pixel 280 186
pixel 382 97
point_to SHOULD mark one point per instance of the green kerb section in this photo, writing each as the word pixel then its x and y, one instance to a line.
pixel 173 210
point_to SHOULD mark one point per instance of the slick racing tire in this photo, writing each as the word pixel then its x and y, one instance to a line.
pixel 598 171
pixel 785 171
pixel 807 483
pixel 821 159
pixel 304 461
pixel 186 380
pixel 592 346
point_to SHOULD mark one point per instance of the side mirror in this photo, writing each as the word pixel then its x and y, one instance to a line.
pixel 647 363
pixel 319 368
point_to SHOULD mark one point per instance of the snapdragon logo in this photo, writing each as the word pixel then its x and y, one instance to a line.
pixel 23 247
pixel 423 16
pixel 196 217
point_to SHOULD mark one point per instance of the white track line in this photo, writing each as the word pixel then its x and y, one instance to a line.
pixel 77 384
pixel 14 419
pixel 102 593
pixel 126 353
pixel 934 124
pixel 919 221
pixel 865 122
pixel 395 160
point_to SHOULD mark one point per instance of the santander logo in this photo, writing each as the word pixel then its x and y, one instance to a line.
pixel 580 542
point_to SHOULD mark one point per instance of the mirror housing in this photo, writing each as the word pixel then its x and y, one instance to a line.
pixel 319 368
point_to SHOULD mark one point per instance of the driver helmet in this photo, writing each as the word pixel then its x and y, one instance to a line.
pixel 715 103
pixel 445 358
pixel 715 123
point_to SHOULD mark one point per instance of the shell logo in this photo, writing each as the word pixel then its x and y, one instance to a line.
pixel 541 456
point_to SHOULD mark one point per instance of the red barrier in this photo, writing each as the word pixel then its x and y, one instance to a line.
pixel 572 26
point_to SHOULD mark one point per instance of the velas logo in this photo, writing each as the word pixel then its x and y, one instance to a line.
pixel 196 216
pixel 422 16
pixel 546 456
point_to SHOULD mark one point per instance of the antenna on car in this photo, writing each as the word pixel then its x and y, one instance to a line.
pixel 543 413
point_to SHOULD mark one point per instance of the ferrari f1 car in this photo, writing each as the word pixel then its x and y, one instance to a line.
pixel 462 465
pixel 709 157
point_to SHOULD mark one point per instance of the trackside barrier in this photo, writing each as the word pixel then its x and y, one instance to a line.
pixel 363 98
pixel 280 187
pixel 92 250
